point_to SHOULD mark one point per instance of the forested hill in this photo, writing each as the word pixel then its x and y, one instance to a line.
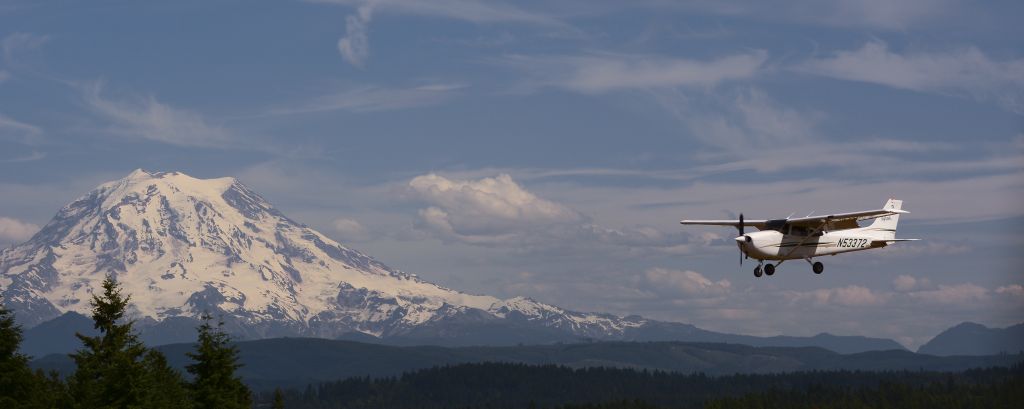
pixel 494 385
pixel 298 361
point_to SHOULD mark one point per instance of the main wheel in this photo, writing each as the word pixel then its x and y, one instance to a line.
pixel 769 269
pixel 757 271
pixel 817 267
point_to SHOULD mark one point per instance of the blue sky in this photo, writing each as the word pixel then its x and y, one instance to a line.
pixel 548 149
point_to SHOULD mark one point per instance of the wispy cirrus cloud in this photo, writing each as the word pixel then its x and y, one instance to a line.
pixel 16 43
pixel 374 99
pixel 476 11
pixel 874 14
pixel 964 71
pixel 148 118
pixel 18 129
pixel 354 46
pixel 600 73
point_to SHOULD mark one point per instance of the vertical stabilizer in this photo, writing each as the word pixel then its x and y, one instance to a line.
pixel 885 226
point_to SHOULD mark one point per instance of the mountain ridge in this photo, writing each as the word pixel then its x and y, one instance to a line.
pixel 969 338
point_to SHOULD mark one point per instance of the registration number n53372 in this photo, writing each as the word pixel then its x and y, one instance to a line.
pixel 850 242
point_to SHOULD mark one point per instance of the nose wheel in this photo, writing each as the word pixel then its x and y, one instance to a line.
pixel 757 271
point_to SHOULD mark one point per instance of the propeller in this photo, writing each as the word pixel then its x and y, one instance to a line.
pixel 740 228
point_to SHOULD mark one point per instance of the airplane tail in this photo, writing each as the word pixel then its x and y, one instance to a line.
pixel 886 225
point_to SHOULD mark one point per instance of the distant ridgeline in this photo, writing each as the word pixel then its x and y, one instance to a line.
pixel 494 385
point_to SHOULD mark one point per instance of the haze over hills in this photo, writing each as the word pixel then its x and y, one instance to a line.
pixel 969 338
pixel 183 246
pixel 298 361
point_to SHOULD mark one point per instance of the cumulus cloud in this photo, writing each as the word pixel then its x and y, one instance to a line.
pixel 484 207
pixel 965 71
pixel 350 229
pixel 16 231
pixel 483 210
pixel 1014 290
pixel 150 119
pixel 686 283
pixel 958 294
pixel 498 211
pixel 849 296
pixel 599 73
pixel 907 283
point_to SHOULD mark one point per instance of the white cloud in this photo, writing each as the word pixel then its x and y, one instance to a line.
pixel 16 231
pixel 150 119
pixel 350 229
pixel 907 283
pixel 355 46
pixel 686 283
pixel 599 73
pixel 965 71
pixel 849 296
pixel 958 294
pixel 375 99
pixel 485 207
pixel 1015 290
pixel 497 211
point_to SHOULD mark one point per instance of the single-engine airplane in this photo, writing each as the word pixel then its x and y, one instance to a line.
pixel 812 236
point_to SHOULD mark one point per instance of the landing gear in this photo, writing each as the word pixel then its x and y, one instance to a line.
pixel 757 271
pixel 817 267
pixel 769 269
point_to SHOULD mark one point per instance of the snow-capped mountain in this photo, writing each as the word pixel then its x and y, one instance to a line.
pixel 182 246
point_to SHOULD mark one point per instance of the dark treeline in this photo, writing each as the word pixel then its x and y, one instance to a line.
pixel 114 370
pixel 499 385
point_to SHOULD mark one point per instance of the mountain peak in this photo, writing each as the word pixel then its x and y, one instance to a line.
pixel 183 246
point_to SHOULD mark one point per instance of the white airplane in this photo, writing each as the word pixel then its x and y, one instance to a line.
pixel 813 236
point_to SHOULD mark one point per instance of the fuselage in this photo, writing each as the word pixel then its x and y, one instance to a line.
pixel 801 244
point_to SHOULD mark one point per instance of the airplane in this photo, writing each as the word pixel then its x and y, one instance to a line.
pixel 812 236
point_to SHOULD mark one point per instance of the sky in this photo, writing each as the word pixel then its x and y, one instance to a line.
pixel 548 149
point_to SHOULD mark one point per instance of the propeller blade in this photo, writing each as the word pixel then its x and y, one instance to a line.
pixel 740 228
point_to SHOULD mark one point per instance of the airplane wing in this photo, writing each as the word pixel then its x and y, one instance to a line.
pixel 842 219
pixel 734 223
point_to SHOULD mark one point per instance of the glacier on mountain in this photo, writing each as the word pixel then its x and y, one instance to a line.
pixel 182 246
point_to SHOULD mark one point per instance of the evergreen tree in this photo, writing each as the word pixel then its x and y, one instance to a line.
pixel 278 399
pixel 214 363
pixel 111 372
pixel 20 388
pixel 165 386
